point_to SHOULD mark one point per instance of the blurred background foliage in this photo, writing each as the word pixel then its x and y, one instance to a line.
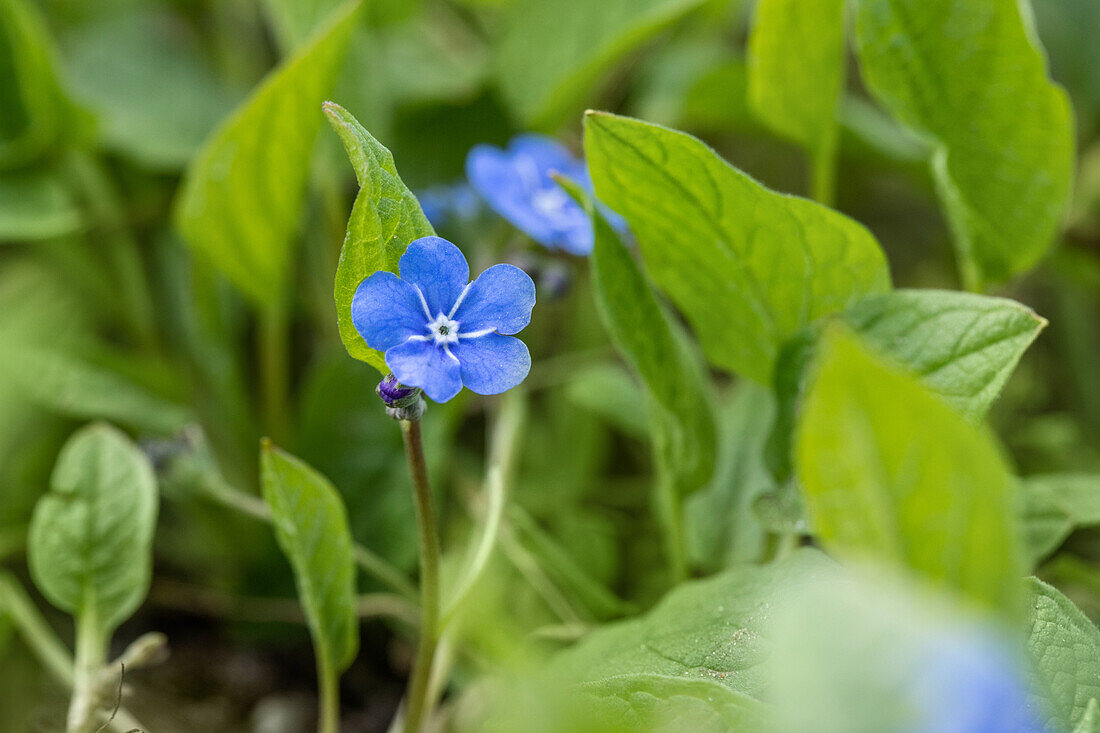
pixel 104 313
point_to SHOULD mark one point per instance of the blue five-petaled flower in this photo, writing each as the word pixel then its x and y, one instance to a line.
pixel 439 331
pixel 517 183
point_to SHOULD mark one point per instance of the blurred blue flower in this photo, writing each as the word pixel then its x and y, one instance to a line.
pixel 516 182
pixel 972 684
pixel 443 203
pixel 440 331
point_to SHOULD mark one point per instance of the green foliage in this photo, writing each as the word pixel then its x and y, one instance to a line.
pixel 892 473
pixel 1090 721
pixel 385 218
pixel 1054 506
pixel 241 199
pixel 144 75
pixel 747 267
pixel 296 20
pixel 968 74
pixel 660 704
pixel 1065 652
pixel 796 59
pixel 552 51
pixel 713 629
pixel 311 525
pixel 35 206
pixel 90 544
pixel 681 417
pixel 34 113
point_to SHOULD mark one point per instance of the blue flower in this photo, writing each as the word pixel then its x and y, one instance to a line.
pixel 443 203
pixel 517 184
pixel 440 331
pixel 970 683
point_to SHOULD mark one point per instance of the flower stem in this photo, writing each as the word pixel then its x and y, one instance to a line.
pixel 329 720
pixel 429 577
pixel 670 515
pixel 91 655
pixel 823 173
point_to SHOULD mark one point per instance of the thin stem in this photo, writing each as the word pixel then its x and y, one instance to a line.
pixel 823 173
pixel 670 517
pixel 91 655
pixel 274 349
pixel 429 577
pixel 329 720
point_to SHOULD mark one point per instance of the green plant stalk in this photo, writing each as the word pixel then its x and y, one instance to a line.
pixel 91 656
pixel 274 350
pixel 823 172
pixel 329 684
pixel 669 512
pixel 416 697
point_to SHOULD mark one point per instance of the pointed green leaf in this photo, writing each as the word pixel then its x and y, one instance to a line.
pixel 681 414
pixel 748 267
pixel 970 76
pixel 891 473
pixel 1065 654
pixel 311 525
pixel 91 537
pixel 796 59
pixel 385 218
pixel 242 196
pixel 552 51
pixel 1055 505
pixel 963 346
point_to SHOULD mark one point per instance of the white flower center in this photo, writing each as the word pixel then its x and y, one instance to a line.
pixel 443 330
pixel 549 201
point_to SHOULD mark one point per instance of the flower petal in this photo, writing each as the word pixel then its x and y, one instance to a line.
pixel 500 299
pixel 549 155
pixel 428 366
pixel 492 363
pixel 438 269
pixel 387 310
pixel 502 186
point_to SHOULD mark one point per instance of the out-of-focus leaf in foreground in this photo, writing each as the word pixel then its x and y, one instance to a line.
pixel 552 51
pixel 748 267
pixel 385 218
pixel 891 473
pixel 796 70
pixel 241 198
pixel 311 525
pixel 36 206
pixel 1065 651
pixel 969 75
pixel 90 544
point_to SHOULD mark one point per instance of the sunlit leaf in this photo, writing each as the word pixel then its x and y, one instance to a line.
pixel 969 75
pixel 552 51
pixel 892 473
pixel 385 218
pixel 749 268
pixel 796 59
pixel 242 196
pixel 90 544
pixel 311 525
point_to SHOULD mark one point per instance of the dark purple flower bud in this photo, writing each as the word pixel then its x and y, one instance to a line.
pixel 395 394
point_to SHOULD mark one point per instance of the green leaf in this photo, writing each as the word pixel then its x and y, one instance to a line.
pixel 713 629
pixel 963 346
pixel 1055 505
pixel 33 109
pixel 681 416
pixel 242 196
pixel 311 525
pixel 969 75
pixel 552 51
pixel 1065 654
pixel 796 59
pixel 748 267
pixel 90 543
pixel 149 83
pixel 1090 721
pixel 75 387
pixel 656 703
pixel 385 218
pixel 891 473
pixel 36 206
pixel 296 20
pixel 610 392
